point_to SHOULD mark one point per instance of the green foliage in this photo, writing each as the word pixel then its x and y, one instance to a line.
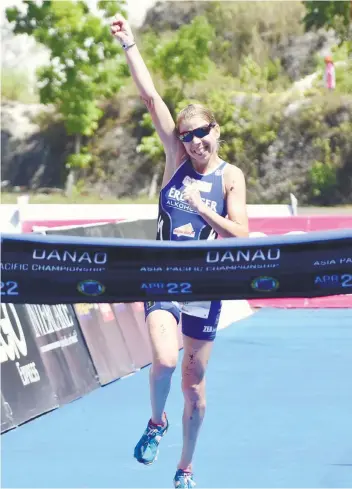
pixel 323 14
pixel 341 52
pixel 329 14
pixel 344 78
pixel 79 160
pixel 343 71
pixel 185 57
pixel 311 118
pixel 112 7
pixel 323 178
pixel 323 174
pixel 255 78
pixel 151 144
pixel 14 86
pixel 251 28
pixel 325 123
pixel 79 74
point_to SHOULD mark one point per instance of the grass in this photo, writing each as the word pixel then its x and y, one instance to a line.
pixel 11 198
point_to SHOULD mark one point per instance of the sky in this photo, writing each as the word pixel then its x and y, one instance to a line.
pixel 21 50
pixel 136 8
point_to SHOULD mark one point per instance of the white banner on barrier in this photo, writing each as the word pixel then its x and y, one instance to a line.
pixel 13 216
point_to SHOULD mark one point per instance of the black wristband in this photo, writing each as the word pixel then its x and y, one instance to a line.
pixel 127 46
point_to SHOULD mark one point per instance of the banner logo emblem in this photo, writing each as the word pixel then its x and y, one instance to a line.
pixel 265 284
pixel 90 287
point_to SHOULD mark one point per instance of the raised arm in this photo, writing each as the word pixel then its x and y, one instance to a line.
pixel 160 113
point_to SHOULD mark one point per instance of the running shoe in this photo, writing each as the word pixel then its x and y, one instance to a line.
pixel 147 449
pixel 183 479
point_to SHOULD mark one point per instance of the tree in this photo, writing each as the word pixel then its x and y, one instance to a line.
pixel 86 63
pixel 331 14
pixel 186 57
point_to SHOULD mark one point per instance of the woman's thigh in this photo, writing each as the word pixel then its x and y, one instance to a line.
pixel 162 321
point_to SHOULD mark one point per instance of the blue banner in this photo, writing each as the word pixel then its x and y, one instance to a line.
pixel 56 269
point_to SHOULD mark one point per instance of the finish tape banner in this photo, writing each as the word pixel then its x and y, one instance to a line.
pixel 56 269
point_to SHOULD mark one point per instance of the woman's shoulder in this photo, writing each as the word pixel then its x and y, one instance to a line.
pixel 232 174
pixel 232 170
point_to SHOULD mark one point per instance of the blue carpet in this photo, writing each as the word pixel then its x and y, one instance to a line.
pixel 279 415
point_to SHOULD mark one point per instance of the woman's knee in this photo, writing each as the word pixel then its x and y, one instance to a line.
pixel 194 393
pixel 164 343
pixel 164 366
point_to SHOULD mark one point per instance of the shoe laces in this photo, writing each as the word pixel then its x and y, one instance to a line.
pixel 152 432
pixel 187 478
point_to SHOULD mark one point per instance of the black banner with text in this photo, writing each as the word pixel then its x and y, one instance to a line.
pixel 63 350
pixel 26 389
pixel 105 341
pixel 57 269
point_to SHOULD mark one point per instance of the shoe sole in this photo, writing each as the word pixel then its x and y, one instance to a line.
pixel 141 461
pixel 147 463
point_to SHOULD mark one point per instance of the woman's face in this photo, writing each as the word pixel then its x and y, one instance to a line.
pixel 200 148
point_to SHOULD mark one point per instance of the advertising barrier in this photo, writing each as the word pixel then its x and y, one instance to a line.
pixel 10 219
pixel 7 421
pixel 141 229
pixel 343 301
pixel 117 338
pixel 130 318
pixel 44 361
pixel 266 226
pixel 25 384
pixel 63 351
pixel 105 341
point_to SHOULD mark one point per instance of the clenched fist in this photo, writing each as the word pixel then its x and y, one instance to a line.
pixel 121 30
pixel 192 196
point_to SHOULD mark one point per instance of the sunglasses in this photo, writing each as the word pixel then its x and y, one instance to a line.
pixel 200 132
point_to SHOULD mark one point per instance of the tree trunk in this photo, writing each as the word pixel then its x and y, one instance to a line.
pixel 154 184
pixel 72 175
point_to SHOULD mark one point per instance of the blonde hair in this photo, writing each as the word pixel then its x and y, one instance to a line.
pixel 193 110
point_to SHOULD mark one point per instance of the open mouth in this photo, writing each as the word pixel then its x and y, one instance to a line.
pixel 200 151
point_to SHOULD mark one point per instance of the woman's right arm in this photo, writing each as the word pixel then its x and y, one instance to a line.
pixel 159 111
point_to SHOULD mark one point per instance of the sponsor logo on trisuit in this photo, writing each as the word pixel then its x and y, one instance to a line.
pixel 199 184
pixel 185 230
pixel 175 198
